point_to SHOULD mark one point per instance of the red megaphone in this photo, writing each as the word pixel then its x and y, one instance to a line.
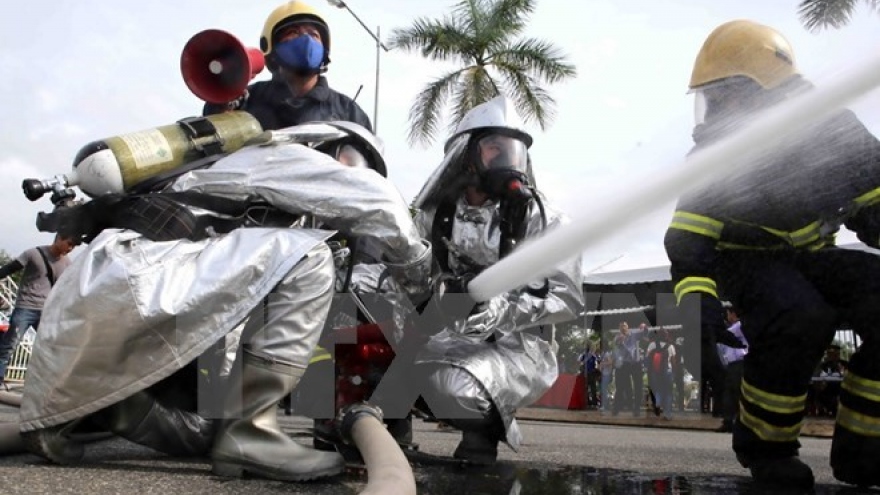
pixel 217 67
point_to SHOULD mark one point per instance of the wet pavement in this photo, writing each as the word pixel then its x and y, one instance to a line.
pixel 558 458
pixel 117 467
pixel 532 479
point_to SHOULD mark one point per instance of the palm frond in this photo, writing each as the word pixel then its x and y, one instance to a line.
pixel 426 111
pixel 443 40
pixel 532 102
pixel 476 86
pixel 537 57
pixel 482 37
pixel 819 14
pixel 508 17
pixel 471 14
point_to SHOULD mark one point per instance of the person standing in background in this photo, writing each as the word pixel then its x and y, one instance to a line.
pixel 42 266
pixel 732 359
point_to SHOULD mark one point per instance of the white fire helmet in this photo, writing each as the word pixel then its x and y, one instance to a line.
pixel 497 113
pixel 498 117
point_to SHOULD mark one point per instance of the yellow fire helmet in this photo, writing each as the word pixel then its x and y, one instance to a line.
pixel 289 13
pixel 744 48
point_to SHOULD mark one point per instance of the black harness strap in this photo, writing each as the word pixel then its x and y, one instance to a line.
pixel 203 134
pixel 513 230
pixel 224 206
pixel 49 273
pixel 441 228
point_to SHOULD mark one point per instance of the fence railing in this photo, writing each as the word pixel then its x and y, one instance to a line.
pixel 18 363
pixel 8 291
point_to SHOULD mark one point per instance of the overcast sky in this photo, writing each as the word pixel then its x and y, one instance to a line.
pixel 73 72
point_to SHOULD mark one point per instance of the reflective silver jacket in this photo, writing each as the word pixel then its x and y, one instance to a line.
pixel 520 366
pixel 129 312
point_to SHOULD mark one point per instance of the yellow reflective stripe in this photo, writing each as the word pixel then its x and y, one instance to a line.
pixel 869 198
pixel 857 423
pixel 822 243
pixel 729 246
pixel 766 431
pixel 695 284
pixel 801 237
pixel 698 224
pixel 782 404
pixel 862 387
pixel 320 354
pixel 807 235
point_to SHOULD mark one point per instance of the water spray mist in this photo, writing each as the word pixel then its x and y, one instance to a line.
pixel 530 261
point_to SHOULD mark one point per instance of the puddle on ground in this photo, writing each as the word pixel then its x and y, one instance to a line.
pixel 522 479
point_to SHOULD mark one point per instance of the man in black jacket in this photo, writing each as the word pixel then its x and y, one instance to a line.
pixel 764 237
pixel 296 44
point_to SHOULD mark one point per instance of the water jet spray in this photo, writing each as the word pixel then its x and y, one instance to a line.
pixel 530 261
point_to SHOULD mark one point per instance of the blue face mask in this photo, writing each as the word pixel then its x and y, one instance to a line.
pixel 302 54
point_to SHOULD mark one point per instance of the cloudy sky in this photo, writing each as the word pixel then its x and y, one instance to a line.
pixel 73 72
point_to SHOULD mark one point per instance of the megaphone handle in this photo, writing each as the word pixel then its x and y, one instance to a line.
pixel 238 103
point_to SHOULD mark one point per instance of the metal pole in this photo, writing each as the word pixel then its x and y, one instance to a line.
pixel 376 96
pixel 379 47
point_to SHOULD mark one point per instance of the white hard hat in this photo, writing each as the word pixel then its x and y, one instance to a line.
pixel 497 114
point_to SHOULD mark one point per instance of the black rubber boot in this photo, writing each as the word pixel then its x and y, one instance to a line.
pixel 855 458
pixel 54 443
pixel 478 447
pixel 145 421
pixel 325 435
pixel 783 472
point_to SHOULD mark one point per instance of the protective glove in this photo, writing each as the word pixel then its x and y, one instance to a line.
pixel 414 274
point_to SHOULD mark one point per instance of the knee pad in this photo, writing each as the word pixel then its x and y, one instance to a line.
pixel 457 397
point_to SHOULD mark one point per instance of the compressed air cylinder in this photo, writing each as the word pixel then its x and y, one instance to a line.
pixel 116 164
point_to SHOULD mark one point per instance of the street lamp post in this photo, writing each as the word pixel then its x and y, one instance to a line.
pixel 379 47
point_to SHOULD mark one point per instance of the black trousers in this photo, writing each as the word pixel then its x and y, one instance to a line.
pixel 791 305
pixel 733 375
pixel 628 387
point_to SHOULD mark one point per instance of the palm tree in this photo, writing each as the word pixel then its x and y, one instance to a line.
pixel 818 14
pixel 482 38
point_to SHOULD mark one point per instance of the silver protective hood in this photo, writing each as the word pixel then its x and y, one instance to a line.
pixel 520 365
pixel 449 178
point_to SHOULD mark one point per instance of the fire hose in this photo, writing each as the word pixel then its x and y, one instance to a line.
pixel 388 471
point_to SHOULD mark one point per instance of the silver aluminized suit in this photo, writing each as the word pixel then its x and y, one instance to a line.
pixel 520 364
pixel 129 312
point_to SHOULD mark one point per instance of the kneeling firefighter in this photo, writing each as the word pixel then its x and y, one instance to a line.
pixel 479 204
pixel 765 239
pixel 169 273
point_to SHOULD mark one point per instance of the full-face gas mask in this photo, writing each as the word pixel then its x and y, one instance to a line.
pixel 500 161
pixel 723 106
pixel 725 98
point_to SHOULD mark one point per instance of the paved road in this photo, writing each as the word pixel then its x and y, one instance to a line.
pixel 557 459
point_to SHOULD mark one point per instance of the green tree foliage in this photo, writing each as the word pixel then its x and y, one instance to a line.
pixel 572 340
pixel 6 258
pixel 483 39
pixel 822 14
